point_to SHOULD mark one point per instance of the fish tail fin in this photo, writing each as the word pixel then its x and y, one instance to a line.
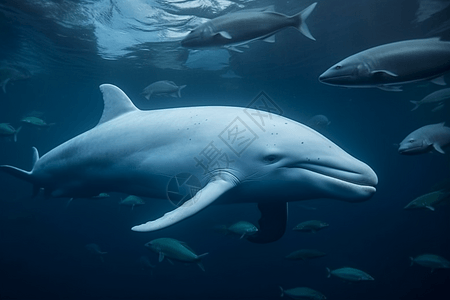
pixel 301 19
pixel 3 84
pixel 416 103
pixel 282 291
pixel 200 265
pixel 16 133
pixel 179 90
pixel 328 273
pixel 68 202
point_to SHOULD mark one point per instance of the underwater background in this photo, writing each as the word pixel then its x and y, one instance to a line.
pixel 67 48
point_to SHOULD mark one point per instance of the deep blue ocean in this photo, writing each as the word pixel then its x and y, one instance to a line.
pixel 68 48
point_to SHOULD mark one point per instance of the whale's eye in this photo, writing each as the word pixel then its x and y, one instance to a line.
pixel 412 140
pixel 271 158
pixel 337 67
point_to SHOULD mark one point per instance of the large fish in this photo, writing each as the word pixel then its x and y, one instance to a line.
pixel 239 28
pixel 234 157
pixel 388 66
pixel 426 138
pixel 436 97
pixel 429 200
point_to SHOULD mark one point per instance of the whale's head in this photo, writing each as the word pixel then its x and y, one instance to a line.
pixel 299 163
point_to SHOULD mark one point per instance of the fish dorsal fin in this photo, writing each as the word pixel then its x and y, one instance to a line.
pixel 116 103
pixel 186 246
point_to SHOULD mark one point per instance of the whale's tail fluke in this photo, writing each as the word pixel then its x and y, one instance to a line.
pixel 22 174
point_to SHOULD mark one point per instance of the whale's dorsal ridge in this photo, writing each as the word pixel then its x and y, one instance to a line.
pixel 116 103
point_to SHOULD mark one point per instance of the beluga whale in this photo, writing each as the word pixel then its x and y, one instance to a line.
pixel 236 154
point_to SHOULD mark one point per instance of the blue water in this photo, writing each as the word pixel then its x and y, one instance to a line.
pixel 71 47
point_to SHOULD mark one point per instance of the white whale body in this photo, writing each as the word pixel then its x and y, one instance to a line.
pixel 237 155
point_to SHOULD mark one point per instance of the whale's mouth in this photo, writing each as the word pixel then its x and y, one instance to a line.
pixel 363 176
pixel 352 182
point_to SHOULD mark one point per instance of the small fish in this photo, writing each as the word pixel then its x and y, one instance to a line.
pixel 6 130
pixel 426 138
pixel 311 226
pixel 176 250
pixel 389 66
pixel 12 73
pixel 242 27
pixel 163 88
pixel 432 261
pixel 36 122
pixel 304 254
pixel 349 274
pixel 94 249
pixel 241 228
pixel 132 201
pixel 302 293
pixel 428 200
pixel 436 97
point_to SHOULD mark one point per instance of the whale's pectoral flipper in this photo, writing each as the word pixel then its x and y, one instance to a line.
pixel 272 223
pixel 207 195
pixel 22 174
